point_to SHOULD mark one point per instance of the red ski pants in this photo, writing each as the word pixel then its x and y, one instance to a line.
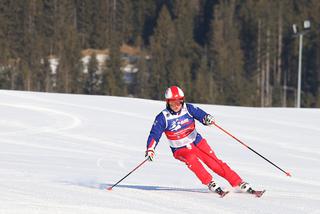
pixel 202 151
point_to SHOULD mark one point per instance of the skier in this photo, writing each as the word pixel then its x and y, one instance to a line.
pixel 177 121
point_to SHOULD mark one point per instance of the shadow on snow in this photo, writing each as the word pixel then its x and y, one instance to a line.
pixel 96 185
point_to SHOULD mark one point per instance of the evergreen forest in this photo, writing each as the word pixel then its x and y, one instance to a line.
pixel 227 52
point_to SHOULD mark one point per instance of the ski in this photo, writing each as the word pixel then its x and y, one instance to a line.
pixel 216 189
pixel 223 193
pixel 258 193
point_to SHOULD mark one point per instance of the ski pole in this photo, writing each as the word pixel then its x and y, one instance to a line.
pixel 225 131
pixel 110 188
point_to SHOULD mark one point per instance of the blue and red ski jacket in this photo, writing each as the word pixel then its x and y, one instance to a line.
pixel 179 127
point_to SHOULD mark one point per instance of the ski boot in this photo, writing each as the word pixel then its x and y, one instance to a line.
pixel 245 187
pixel 213 187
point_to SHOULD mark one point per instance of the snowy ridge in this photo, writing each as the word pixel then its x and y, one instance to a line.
pixel 58 154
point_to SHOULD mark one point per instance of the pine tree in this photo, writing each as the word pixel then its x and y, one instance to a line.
pixel 5 70
pixel 69 49
pixel 141 83
pixel 115 63
pixel 185 54
pixel 92 78
pixel 226 55
pixel 84 14
pixel 204 86
pixel 45 25
pixel 109 86
pixel 162 43
pixel 143 21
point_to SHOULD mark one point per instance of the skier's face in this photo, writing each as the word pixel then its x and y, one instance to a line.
pixel 175 105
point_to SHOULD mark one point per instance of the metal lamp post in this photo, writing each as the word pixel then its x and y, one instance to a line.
pixel 306 28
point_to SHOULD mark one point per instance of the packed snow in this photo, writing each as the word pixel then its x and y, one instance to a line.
pixel 59 153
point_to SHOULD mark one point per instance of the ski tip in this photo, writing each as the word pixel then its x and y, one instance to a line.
pixel 109 188
pixel 224 194
pixel 258 194
pixel 288 174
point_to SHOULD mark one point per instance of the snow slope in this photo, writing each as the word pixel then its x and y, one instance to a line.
pixel 58 154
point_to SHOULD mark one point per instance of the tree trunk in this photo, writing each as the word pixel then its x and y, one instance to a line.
pixel 259 71
pixel 66 81
pixel 279 61
pixel 267 74
pixel 284 97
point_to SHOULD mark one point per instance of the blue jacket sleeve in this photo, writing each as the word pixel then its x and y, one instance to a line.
pixel 196 112
pixel 157 129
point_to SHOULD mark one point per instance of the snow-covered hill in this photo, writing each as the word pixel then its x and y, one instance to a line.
pixel 58 154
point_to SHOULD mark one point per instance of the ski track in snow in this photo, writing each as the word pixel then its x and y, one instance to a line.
pixel 59 153
pixel 74 120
